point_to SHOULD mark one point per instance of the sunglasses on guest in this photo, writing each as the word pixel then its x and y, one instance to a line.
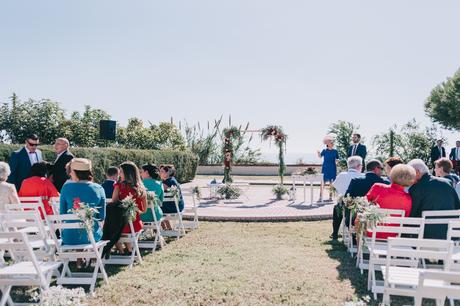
pixel 32 144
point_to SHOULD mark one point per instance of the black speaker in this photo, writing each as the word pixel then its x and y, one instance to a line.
pixel 107 129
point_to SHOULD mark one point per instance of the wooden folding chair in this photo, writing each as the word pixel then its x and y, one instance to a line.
pixel 70 253
pixel 25 272
pixel 438 285
pixel 193 210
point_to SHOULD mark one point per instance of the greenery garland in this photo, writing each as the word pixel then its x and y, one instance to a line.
pixel 275 133
pixel 231 134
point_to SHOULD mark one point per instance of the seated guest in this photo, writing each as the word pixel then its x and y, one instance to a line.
pixel 431 193
pixel 81 189
pixel 167 173
pixel 151 178
pixel 393 196
pixel 341 183
pixel 443 168
pixel 8 194
pixel 390 163
pixel 360 186
pixel 130 184
pixel 38 185
pixel 111 175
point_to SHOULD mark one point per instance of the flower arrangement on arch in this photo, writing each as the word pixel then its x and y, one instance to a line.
pixel 173 191
pixel 130 208
pixel 85 213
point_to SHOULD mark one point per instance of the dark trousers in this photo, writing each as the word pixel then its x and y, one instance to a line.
pixel 336 219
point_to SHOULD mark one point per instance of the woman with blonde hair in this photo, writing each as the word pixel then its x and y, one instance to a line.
pixel 8 194
pixel 329 168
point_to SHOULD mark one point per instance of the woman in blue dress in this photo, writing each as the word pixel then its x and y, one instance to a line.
pixel 329 168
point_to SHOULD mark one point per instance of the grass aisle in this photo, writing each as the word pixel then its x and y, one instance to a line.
pixel 241 263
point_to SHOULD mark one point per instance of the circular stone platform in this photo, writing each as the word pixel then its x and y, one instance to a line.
pixel 258 204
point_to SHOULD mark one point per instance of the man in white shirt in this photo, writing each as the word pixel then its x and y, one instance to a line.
pixel 341 183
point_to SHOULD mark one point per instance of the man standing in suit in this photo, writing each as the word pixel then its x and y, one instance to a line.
pixel 357 148
pixel 454 156
pixel 431 193
pixel 360 186
pixel 63 156
pixel 437 152
pixel 22 160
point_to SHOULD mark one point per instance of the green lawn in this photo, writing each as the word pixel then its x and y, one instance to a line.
pixel 241 263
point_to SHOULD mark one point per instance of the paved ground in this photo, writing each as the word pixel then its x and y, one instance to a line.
pixel 259 204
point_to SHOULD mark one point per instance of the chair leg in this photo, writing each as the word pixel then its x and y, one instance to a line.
pixel 386 298
pixel 418 300
pixel 138 252
pixel 440 301
pixel 5 295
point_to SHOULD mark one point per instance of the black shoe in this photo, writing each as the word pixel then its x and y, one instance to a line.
pixel 334 237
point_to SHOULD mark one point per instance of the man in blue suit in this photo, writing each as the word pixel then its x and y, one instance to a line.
pixel 22 160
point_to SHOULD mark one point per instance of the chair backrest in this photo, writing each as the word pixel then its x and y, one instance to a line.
pixel 409 252
pixel 399 226
pixel 392 212
pixel 68 221
pixel 434 282
pixel 28 222
pixel 54 202
pixel 453 232
pixel 440 216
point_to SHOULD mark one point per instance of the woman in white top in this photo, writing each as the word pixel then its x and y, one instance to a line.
pixel 8 194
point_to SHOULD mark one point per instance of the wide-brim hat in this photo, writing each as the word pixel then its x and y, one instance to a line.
pixel 80 164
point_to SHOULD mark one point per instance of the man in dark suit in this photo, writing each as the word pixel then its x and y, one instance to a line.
pixel 63 156
pixel 431 193
pixel 437 152
pixel 22 160
pixel 454 156
pixel 357 148
pixel 360 186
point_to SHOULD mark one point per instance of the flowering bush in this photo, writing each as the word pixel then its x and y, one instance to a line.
pixel 229 192
pixel 60 296
pixel 279 190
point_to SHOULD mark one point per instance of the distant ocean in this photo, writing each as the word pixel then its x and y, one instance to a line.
pixel 291 157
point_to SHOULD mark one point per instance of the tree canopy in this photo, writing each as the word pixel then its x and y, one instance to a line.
pixel 443 104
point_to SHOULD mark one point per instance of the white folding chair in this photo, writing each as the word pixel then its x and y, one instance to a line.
pixel 175 219
pixel 442 217
pixel 453 233
pixel 135 256
pixel 378 248
pixel 438 285
pixel 27 272
pixel 30 223
pixel 153 228
pixel 55 203
pixel 402 268
pixel 71 253
pixel 362 245
pixel 193 211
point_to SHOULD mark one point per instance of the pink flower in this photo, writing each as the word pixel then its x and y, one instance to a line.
pixel 76 203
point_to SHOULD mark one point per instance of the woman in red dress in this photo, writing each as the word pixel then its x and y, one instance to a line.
pixel 130 185
pixel 394 196
pixel 38 185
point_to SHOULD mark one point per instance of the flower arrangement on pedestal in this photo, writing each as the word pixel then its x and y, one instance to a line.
pixel 229 192
pixel 231 135
pixel 279 190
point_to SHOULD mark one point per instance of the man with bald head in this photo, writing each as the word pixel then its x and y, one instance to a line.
pixel 63 156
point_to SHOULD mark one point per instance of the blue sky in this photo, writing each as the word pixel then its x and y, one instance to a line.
pixel 299 64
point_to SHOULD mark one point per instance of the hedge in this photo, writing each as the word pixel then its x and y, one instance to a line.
pixel 102 158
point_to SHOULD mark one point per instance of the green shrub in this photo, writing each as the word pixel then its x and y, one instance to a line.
pixel 102 158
